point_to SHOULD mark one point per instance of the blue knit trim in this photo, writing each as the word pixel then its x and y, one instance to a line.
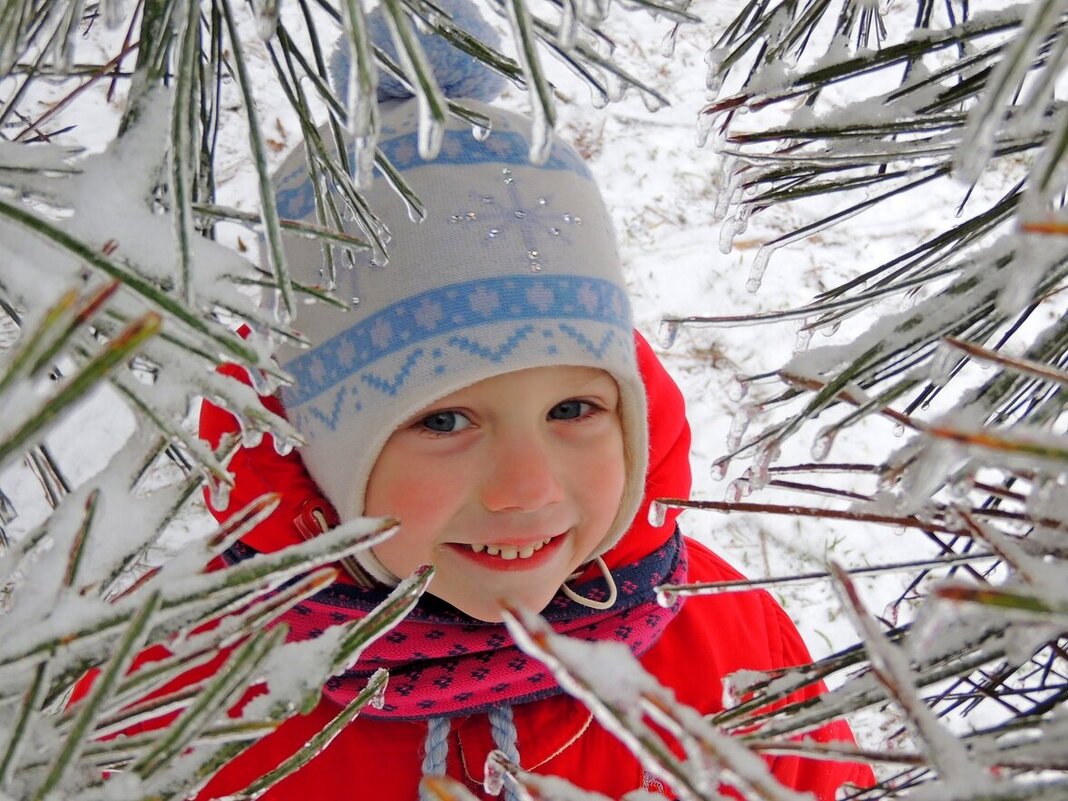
pixel 390 386
pixel 492 354
pixel 449 310
pixel 459 147
pixel 296 201
pixel 593 348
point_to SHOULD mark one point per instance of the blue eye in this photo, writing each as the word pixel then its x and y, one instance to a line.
pixel 445 422
pixel 570 410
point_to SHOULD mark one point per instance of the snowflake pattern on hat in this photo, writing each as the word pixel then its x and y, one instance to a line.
pixel 461 307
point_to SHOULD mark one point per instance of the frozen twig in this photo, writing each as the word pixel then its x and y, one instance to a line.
pixel 667 593
pixel 955 765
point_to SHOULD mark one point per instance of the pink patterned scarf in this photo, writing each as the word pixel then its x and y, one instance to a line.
pixel 443 663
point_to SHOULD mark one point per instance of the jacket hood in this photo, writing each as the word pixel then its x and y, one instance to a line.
pixel 262 469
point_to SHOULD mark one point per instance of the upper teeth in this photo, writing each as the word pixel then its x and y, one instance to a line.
pixel 511 551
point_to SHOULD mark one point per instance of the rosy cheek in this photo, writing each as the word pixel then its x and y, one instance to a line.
pixel 604 476
pixel 393 495
pixel 413 503
pixel 415 494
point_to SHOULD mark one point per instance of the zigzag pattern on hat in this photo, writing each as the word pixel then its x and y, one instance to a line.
pixel 391 385
pixel 330 420
pixel 492 354
pixel 452 308
pixel 491 342
pixel 582 339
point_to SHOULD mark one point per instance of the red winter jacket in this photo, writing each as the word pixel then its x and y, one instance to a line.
pixel 710 638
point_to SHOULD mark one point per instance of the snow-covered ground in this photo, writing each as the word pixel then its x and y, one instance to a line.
pixel 662 188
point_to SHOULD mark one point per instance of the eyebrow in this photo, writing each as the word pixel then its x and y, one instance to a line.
pixel 601 378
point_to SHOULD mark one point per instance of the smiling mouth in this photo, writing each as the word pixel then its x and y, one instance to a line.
pixel 509 552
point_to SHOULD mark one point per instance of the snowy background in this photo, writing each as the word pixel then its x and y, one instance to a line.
pixel 662 188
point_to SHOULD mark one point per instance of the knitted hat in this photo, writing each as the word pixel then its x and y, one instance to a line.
pixel 515 266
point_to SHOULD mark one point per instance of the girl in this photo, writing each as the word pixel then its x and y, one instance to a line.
pixel 487 390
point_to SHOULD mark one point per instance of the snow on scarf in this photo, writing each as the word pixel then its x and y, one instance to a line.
pixel 443 663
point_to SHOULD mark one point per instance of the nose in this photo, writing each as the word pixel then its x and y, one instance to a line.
pixel 523 474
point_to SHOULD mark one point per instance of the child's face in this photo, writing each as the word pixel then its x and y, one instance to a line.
pixel 505 487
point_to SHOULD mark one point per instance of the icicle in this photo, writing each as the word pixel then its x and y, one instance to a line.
pixel 327 282
pixel 592 12
pixel 266 19
pixel 714 58
pixel 425 27
pixel 666 598
pixel 926 475
pixel 942 364
pixel 739 424
pixel 416 213
pixel 281 313
pixel 960 488
pixel 738 489
pixel 379 257
pixel 114 13
pixel 617 88
pixel 727 232
pixel 737 388
pixel 899 430
pixel 760 265
pixel 567 33
pixel 952 518
pixel 598 99
pixel 742 215
pixel 762 463
pixel 260 383
pixel 732 693
pixel 821 446
pixel 541 136
pixel 705 123
pixel 481 132
pixel 363 163
pixel 251 436
pixel 378 700
pixel 284 446
pixel 667 44
pixel 719 468
pixel 432 133
pixel 803 338
pixel 657 514
pixel 1031 263
pixel 63 56
pixel 887 482
pixel 218 493
pixel 652 102
pixel 739 684
pixel 890 612
pixel 667 333
pixel 729 180
pixel 832 329
pixel 493 781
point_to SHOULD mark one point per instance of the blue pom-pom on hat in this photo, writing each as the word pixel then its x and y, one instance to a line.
pixel 459 74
